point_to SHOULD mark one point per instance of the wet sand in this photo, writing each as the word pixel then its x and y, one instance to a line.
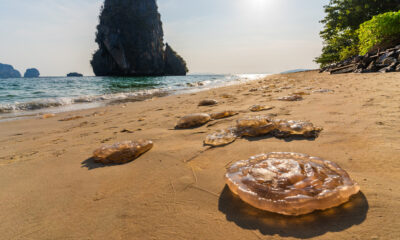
pixel 51 189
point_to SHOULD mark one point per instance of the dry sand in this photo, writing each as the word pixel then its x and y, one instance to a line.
pixel 50 189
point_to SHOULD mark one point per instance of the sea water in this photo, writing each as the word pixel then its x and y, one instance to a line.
pixel 28 96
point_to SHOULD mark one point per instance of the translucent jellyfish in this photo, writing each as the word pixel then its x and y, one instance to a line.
pixel 123 152
pixel 254 126
pixel 259 108
pixel 290 183
pixel 221 137
pixel 300 93
pixel 323 91
pixel 223 114
pixel 286 128
pixel 193 120
pixel 291 98
pixel 208 102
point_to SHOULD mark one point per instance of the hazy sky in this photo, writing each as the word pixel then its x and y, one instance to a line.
pixel 214 36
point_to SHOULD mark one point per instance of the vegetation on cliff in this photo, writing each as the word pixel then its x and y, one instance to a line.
pixel 341 24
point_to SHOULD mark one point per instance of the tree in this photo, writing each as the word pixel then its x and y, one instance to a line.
pixel 343 18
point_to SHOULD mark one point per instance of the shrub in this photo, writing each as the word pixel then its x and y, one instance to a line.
pixel 381 30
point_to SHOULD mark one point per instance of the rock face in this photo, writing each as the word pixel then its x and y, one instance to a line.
pixel 378 61
pixel 31 73
pixel 131 42
pixel 7 71
pixel 74 74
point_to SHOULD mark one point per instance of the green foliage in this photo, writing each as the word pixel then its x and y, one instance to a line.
pixel 343 18
pixel 381 29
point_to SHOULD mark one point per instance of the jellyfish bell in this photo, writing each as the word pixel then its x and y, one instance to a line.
pixel 223 114
pixel 290 183
pixel 122 152
pixel 221 137
pixel 193 120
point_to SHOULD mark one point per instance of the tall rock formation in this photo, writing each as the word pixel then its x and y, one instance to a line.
pixel 32 73
pixel 130 39
pixel 8 71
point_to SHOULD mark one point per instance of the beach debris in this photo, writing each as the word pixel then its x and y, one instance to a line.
pixel 70 118
pixel 287 128
pixel 263 125
pixel 223 114
pixel 259 108
pixel 221 137
pixel 123 152
pixel 49 115
pixel 193 120
pixel 291 98
pixel 290 183
pixel 208 102
pixel 253 90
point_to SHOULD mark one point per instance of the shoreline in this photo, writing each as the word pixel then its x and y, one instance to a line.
pixel 92 102
pixel 51 189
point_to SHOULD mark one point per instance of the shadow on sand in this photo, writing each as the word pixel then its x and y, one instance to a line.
pixel 315 224
pixel 90 164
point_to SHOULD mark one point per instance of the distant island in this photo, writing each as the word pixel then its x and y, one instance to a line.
pixel 74 74
pixel 8 71
pixel 131 42
pixel 32 73
pixel 295 71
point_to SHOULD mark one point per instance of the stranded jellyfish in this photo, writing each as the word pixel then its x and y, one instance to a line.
pixel 123 152
pixel 287 128
pixel 291 98
pixel 254 126
pixel 193 120
pixel 224 114
pixel 208 102
pixel 221 137
pixel 259 108
pixel 263 125
pixel 290 183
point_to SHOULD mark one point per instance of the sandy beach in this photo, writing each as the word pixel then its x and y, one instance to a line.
pixel 52 189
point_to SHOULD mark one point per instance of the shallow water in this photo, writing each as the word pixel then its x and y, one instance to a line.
pixel 22 96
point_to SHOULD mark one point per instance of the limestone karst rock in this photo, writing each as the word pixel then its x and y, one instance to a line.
pixel 8 71
pixel 31 73
pixel 290 183
pixel 74 74
pixel 131 42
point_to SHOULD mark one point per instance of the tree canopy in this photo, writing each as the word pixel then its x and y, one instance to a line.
pixel 343 18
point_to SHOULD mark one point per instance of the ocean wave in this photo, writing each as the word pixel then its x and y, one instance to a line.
pixel 59 102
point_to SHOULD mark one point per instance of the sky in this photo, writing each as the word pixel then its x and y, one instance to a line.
pixel 213 36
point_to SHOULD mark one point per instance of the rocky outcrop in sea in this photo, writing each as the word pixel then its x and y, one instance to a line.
pixel 387 60
pixel 32 73
pixel 8 71
pixel 131 42
pixel 74 74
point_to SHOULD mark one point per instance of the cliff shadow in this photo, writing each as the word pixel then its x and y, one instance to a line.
pixel 312 225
